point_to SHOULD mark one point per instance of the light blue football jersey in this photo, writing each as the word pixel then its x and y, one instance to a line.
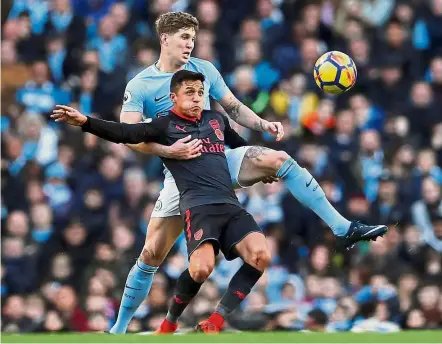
pixel 148 92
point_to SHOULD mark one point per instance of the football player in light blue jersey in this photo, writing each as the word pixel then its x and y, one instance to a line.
pixel 147 96
pixel 148 92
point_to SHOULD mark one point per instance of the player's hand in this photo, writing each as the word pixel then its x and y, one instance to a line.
pixel 270 180
pixel 185 149
pixel 274 129
pixel 68 115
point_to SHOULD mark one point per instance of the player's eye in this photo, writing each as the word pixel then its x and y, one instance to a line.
pixel 200 93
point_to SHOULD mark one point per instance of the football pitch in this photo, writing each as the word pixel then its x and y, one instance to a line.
pixel 243 337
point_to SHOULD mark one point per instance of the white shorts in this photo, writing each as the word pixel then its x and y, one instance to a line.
pixel 168 203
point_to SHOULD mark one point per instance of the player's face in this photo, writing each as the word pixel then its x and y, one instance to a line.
pixel 189 98
pixel 180 45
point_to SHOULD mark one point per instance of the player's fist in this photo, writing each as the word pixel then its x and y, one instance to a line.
pixel 68 115
pixel 274 129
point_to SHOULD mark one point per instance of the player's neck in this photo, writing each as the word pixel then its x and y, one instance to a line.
pixel 167 66
pixel 190 117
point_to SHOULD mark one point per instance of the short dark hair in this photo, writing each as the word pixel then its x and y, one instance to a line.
pixel 172 22
pixel 184 75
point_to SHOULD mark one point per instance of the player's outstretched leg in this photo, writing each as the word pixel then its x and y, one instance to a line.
pixel 255 253
pixel 160 238
pixel 201 264
pixel 261 162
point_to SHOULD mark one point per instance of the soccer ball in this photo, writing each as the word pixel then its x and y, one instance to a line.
pixel 335 72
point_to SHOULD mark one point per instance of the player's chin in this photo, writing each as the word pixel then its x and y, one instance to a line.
pixel 185 59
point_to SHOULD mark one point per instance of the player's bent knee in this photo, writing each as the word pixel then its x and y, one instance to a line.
pixel 151 257
pixel 201 269
pixel 260 258
pixel 202 262
pixel 201 273
pixel 160 238
pixel 278 159
pixel 271 161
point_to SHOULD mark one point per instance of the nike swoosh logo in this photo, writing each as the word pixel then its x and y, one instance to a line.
pixel 308 184
pixel 372 230
pixel 158 99
pixel 131 288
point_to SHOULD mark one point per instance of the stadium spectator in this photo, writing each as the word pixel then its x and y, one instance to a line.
pixel 75 209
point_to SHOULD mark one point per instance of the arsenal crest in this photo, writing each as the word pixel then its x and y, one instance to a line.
pixel 198 234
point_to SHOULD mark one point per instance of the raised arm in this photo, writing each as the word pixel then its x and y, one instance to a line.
pixel 243 115
pixel 120 132
pixel 111 131
pixel 236 110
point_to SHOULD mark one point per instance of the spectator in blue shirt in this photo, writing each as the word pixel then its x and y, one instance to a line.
pixel 39 94
pixel 63 20
pixel 428 29
pixel 266 75
pixel 41 217
pixel 56 57
pixel 38 11
pixel 371 158
pixel 127 23
pixel 111 46
pixel 58 192
pixel 84 96
pixel 145 55
pixel 427 209
pixel 270 15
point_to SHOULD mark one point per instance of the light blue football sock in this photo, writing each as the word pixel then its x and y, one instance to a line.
pixel 137 288
pixel 306 190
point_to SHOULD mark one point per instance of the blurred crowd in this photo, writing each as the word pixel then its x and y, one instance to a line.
pixel 74 209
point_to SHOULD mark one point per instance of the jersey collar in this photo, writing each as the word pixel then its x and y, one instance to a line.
pixel 192 119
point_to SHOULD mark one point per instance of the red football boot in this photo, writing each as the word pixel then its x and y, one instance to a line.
pixel 166 327
pixel 213 325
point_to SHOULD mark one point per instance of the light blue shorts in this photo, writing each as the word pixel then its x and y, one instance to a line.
pixel 168 203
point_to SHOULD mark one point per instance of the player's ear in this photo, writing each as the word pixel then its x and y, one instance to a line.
pixel 163 39
pixel 173 97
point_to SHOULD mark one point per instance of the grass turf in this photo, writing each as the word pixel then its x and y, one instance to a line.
pixel 244 337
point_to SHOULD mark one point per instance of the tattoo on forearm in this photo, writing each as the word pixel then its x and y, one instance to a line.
pixel 256 152
pixel 233 109
pixel 258 126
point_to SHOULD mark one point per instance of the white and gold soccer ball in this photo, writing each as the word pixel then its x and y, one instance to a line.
pixel 335 72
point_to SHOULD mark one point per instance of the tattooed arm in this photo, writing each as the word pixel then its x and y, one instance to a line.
pixel 243 115
pixel 240 113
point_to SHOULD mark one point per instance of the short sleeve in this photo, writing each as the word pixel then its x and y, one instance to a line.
pixel 218 87
pixel 133 97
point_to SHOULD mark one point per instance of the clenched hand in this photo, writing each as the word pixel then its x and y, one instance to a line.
pixel 274 129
